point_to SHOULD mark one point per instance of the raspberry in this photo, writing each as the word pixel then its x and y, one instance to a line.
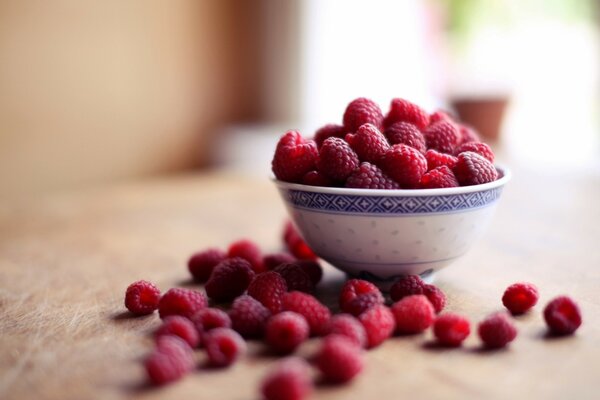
pixel 223 347
pixel 440 115
pixel 295 277
pixel 467 134
pixel 288 380
pixel 179 326
pixel 362 111
pixel 413 314
pixel 353 288
pixel 286 331
pixel 379 324
pixel 407 286
pixel 294 157
pixel 405 165
pixel 315 313
pixel 229 279
pixel 480 148
pixel 520 297
pixel 497 331
pixel 406 133
pixel 404 111
pixel 201 264
pixel 442 136
pixel 313 270
pixel 273 260
pixel 451 329
pixel 339 359
pixel 349 326
pixel 363 302
pixel 181 301
pixel 473 169
pixel 436 297
pixel 369 176
pixel 337 160
pixel 327 131
pixel 562 316
pixel 440 177
pixel 436 159
pixel 268 288
pixel 315 178
pixel 210 318
pixel 170 361
pixel 249 251
pixel 142 297
pixel 368 143
pixel 295 244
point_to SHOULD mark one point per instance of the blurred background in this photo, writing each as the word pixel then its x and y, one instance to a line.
pixel 99 91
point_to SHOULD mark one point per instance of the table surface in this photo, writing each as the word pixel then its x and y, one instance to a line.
pixel 65 261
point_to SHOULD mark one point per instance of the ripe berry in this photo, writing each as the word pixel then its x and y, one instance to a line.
pixel 363 302
pixel 436 159
pixel 201 264
pixel 405 165
pixel 229 279
pixel 288 380
pixel 467 134
pixel 142 297
pixel 451 329
pixel 439 115
pixel 497 331
pixel 353 288
pixel 404 111
pixel 273 260
pixel 179 326
pixel 562 316
pixel 339 359
pixel 316 178
pixel 379 324
pixel 406 133
pixel 327 131
pixel 248 316
pixel 370 176
pixel 294 157
pixel 368 143
pixel 316 314
pixel 440 177
pixel 473 169
pixel 249 251
pixel 223 347
pixel 406 286
pixel 337 160
pixel 442 136
pixel 210 318
pixel 476 147
pixel 286 331
pixel 295 244
pixel 170 361
pixel 295 277
pixel 436 297
pixel 413 314
pixel 181 301
pixel 313 270
pixel 268 288
pixel 349 326
pixel 520 297
pixel 362 111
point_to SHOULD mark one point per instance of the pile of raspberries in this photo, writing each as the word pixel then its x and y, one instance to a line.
pixel 251 295
pixel 406 149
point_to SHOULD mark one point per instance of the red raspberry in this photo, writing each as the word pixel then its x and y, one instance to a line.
pixel 368 143
pixel 337 160
pixel 362 111
pixel 451 329
pixel 170 361
pixel 562 316
pixel 379 324
pixel 520 297
pixel 349 326
pixel 480 148
pixel 404 111
pixel 315 313
pixel 248 316
pixel 273 260
pixel 294 157
pixel 142 297
pixel 339 359
pixel 473 169
pixel 295 244
pixel 268 288
pixel 179 326
pixel 201 264
pixel 369 176
pixel 315 178
pixel 353 288
pixel 436 159
pixel 405 165
pixel 413 314
pixel 295 277
pixel 229 279
pixel 406 286
pixel 286 331
pixel 467 134
pixel 436 297
pixel 440 115
pixel 440 177
pixel 210 318
pixel 327 131
pixel 181 301
pixel 288 380
pixel 442 136
pixel 223 347
pixel 249 251
pixel 497 331
pixel 364 302
pixel 313 270
pixel 406 133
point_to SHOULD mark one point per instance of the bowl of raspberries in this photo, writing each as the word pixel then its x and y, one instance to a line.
pixel 388 195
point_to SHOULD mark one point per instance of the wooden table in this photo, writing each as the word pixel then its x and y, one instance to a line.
pixel 66 260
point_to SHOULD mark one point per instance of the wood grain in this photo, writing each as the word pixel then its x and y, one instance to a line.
pixel 66 260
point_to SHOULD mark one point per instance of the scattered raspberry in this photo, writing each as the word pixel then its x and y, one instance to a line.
pixel 368 143
pixel 406 286
pixel 294 157
pixel 337 160
pixel 406 133
pixel 223 347
pixel 451 329
pixel 404 111
pixel 369 176
pixel 436 297
pixel 179 326
pixel 467 134
pixel 440 115
pixel 379 324
pixel 249 251
pixel 353 288
pixel 440 177
pixel 295 244
pixel 313 270
pixel 497 331
pixel 473 169
pixel 339 359
pixel 362 111
pixel 181 301
pixel 286 331
pixel 210 318
pixel 327 131
pixel 201 264
pixel 405 165
pixel 229 279
pixel 520 297
pixel 480 148
pixel 295 277
pixel 413 314
pixel 315 178
pixel 315 313
pixel 436 159
pixel 248 316
pixel 364 302
pixel 170 361
pixel 268 288
pixel 288 380
pixel 273 260
pixel 442 136
pixel 562 316
pixel 142 297
pixel 349 326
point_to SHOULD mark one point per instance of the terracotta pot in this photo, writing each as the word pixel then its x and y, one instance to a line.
pixel 483 113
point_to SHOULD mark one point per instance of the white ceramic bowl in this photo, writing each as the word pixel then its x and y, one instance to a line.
pixel 381 235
